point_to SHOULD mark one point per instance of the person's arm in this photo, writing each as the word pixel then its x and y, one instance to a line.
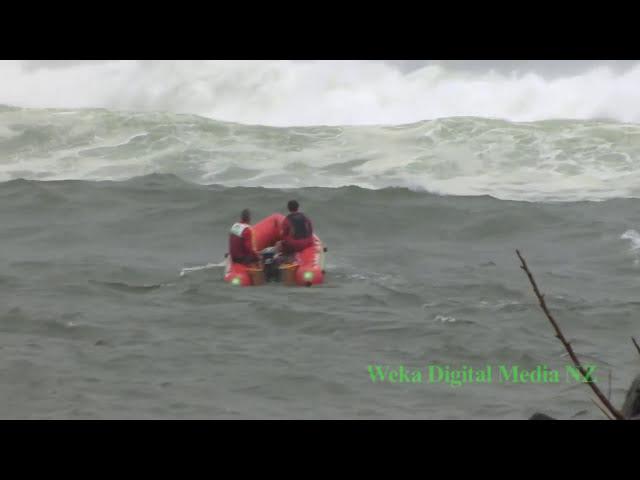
pixel 309 227
pixel 285 228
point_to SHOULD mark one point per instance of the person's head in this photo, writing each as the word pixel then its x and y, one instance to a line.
pixel 245 216
pixel 293 205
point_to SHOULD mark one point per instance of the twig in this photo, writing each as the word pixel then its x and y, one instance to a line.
pixel 614 411
pixel 636 344
pixel 609 392
pixel 606 414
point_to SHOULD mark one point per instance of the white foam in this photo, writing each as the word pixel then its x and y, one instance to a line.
pixel 286 93
pixel 564 161
pixel 197 268
pixel 634 238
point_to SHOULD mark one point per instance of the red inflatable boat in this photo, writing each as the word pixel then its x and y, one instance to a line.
pixel 303 268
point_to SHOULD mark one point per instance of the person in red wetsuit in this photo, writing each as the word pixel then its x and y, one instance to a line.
pixel 241 241
pixel 297 231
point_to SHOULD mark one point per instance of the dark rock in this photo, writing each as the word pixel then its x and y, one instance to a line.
pixel 541 416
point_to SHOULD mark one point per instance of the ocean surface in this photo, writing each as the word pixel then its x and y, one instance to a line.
pixel 113 227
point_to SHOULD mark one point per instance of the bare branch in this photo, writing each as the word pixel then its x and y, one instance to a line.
pixel 636 344
pixel 614 412
pixel 606 414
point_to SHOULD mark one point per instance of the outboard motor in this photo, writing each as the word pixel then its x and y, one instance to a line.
pixel 271 271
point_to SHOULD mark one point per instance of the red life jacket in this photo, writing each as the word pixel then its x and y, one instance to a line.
pixel 238 249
